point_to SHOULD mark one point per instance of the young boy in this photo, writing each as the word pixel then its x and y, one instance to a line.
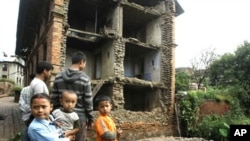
pixel 43 127
pixel 105 126
pixel 65 116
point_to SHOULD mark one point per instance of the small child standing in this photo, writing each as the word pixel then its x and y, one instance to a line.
pixel 105 126
pixel 65 116
pixel 43 127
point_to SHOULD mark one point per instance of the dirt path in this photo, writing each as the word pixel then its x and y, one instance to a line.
pixel 13 123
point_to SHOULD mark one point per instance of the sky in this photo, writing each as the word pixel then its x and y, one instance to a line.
pixel 219 24
pixel 8 25
pixel 222 25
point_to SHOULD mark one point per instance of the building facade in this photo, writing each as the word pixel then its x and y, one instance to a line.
pixel 12 68
pixel 130 47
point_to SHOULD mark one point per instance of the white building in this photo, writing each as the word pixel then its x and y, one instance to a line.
pixel 12 67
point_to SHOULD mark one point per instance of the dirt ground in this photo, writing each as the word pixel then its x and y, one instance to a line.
pixel 213 107
pixel 13 123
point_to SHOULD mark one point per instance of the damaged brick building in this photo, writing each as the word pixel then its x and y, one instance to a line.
pixel 130 46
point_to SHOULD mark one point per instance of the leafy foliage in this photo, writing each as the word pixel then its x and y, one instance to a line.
pixel 232 70
pixel 182 81
pixel 229 76
pixel 213 127
pixel 242 65
pixel 221 71
pixel 224 131
pixel 17 88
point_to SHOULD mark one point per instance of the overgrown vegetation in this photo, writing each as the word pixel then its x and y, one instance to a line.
pixel 213 127
pixel 227 79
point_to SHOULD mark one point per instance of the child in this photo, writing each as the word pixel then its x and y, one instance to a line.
pixel 43 128
pixel 105 126
pixel 67 118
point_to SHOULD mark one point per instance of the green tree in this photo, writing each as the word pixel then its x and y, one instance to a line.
pixel 232 71
pixel 221 71
pixel 182 81
pixel 242 65
pixel 242 69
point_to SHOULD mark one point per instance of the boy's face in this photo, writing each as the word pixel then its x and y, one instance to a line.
pixel 41 108
pixel 68 101
pixel 104 107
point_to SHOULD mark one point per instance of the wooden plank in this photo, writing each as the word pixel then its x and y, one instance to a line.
pixel 97 88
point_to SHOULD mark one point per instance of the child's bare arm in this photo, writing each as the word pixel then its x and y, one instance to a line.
pixel 77 126
pixel 71 132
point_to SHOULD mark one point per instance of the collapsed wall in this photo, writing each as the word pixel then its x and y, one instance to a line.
pixel 130 49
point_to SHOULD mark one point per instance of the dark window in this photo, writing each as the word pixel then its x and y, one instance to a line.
pixel 5 67
pixel 44 51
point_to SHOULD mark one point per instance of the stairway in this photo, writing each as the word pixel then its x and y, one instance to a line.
pixel 96 88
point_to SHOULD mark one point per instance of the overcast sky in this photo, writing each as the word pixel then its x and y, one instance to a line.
pixel 8 16
pixel 219 24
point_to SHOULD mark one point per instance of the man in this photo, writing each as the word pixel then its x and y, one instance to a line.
pixel 43 72
pixel 76 80
pixel 24 101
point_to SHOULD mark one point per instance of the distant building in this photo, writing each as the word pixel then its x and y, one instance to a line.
pixel 12 68
pixel 189 71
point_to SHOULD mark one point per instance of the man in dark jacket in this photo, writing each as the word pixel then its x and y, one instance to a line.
pixel 75 79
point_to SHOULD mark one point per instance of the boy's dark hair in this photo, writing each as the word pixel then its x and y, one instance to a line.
pixel 100 98
pixel 68 91
pixel 44 65
pixel 77 57
pixel 40 95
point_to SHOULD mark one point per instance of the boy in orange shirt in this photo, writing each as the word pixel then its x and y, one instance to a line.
pixel 105 126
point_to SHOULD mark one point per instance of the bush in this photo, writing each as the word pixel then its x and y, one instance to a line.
pixel 7 80
pixel 17 88
pixel 212 127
